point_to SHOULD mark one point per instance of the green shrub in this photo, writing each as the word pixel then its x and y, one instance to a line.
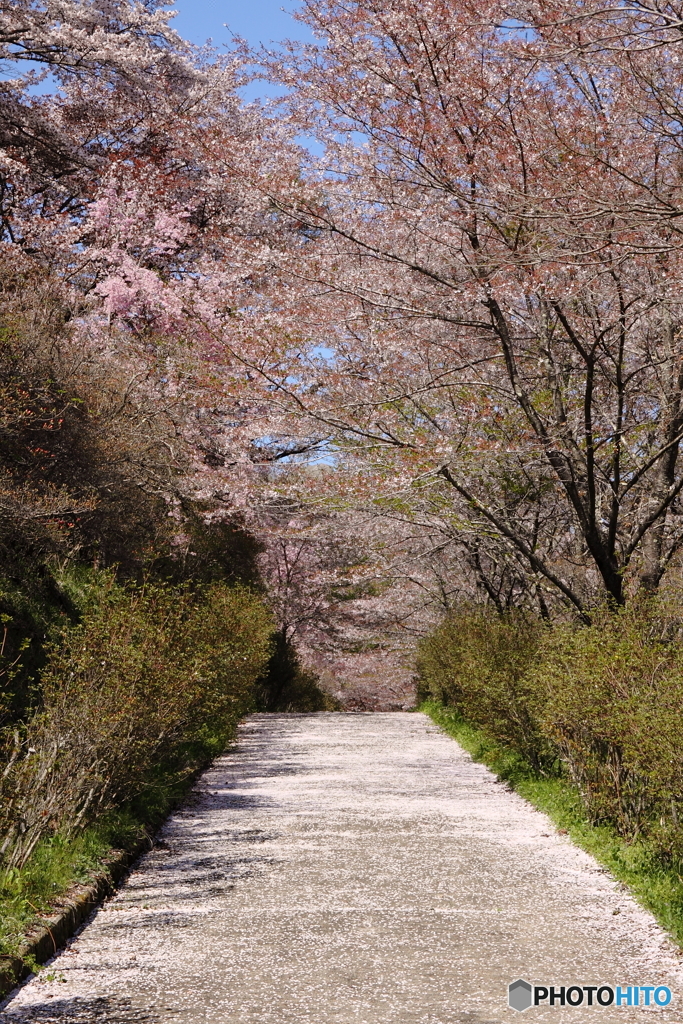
pixel 478 663
pixel 134 686
pixel 612 698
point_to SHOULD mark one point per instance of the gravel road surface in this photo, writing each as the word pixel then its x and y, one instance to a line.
pixel 352 869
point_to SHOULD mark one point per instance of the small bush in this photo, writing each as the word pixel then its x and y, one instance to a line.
pixel 478 663
pixel 135 685
pixel 612 698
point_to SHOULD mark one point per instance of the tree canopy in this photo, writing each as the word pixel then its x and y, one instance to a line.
pixel 433 289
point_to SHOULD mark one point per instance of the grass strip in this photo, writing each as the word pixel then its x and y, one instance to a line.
pixel 657 886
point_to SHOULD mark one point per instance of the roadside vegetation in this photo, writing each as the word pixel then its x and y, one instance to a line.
pixel 134 627
pixel 582 721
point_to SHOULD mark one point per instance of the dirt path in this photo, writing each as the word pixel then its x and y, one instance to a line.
pixel 352 869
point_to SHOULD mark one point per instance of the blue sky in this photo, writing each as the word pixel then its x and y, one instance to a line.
pixel 259 21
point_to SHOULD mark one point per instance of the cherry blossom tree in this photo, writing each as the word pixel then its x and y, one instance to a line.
pixel 488 293
pixel 130 182
pixel 109 64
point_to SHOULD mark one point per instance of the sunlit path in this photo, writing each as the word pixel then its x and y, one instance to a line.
pixel 351 869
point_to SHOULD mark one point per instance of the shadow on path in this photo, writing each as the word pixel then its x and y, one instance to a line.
pixel 84 1011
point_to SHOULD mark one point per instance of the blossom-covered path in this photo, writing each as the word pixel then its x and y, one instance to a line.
pixel 352 869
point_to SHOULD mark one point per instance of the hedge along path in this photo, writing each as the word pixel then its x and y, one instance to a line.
pixel 343 868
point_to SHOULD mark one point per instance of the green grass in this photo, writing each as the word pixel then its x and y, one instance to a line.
pixel 655 885
pixel 28 892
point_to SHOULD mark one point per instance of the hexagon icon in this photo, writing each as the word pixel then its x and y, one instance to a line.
pixel 519 994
